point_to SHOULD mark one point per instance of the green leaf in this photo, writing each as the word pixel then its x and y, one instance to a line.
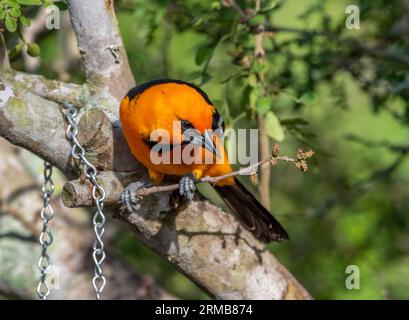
pixel 253 96
pixel 245 96
pixel 215 5
pixel 256 20
pixel 205 78
pixel 33 49
pixel 263 105
pixel 246 40
pixel 15 52
pixel 61 5
pixel 270 6
pixel 14 12
pixel 11 23
pixel 252 80
pixel 194 76
pixel 29 2
pixel 203 53
pixel 12 4
pixel 197 21
pixel 24 21
pixel 273 127
pixel 47 3
pixel 257 67
pixel 2 14
pixel 308 99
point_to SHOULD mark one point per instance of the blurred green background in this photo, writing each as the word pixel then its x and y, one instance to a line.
pixel 342 93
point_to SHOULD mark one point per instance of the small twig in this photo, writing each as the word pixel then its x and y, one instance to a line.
pixel 264 140
pixel 273 158
pixel 4 60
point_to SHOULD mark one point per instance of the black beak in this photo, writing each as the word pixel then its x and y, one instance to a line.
pixel 206 142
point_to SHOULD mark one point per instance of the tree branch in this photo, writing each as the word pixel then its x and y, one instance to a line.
pixel 264 140
pixel 4 61
pixel 100 44
pixel 53 90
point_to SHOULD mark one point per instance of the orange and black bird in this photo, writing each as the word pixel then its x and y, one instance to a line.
pixel 158 105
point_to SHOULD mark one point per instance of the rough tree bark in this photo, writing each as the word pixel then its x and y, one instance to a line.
pixel 100 44
pixel 202 241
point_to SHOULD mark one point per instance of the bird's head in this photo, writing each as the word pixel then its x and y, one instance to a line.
pixel 176 108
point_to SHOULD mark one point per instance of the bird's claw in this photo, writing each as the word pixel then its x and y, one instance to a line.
pixel 129 199
pixel 187 186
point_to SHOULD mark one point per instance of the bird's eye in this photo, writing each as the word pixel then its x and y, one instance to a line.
pixel 185 125
pixel 217 122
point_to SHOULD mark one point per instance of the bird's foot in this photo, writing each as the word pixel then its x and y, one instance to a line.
pixel 129 199
pixel 187 186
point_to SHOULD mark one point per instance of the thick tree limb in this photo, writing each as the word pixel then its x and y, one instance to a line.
pixel 100 44
pixel 34 123
pixel 205 243
pixel 53 90
pixel 58 91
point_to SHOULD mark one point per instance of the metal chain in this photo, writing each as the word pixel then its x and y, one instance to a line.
pixel 46 237
pixel 98 196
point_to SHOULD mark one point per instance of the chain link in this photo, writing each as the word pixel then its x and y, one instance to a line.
pixel 46 236
pixel 98 196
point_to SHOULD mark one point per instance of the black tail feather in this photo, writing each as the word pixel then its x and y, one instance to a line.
pixel 252 215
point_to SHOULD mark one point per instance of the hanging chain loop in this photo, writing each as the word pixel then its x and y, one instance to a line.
pixel 46 236
pixel 98 196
